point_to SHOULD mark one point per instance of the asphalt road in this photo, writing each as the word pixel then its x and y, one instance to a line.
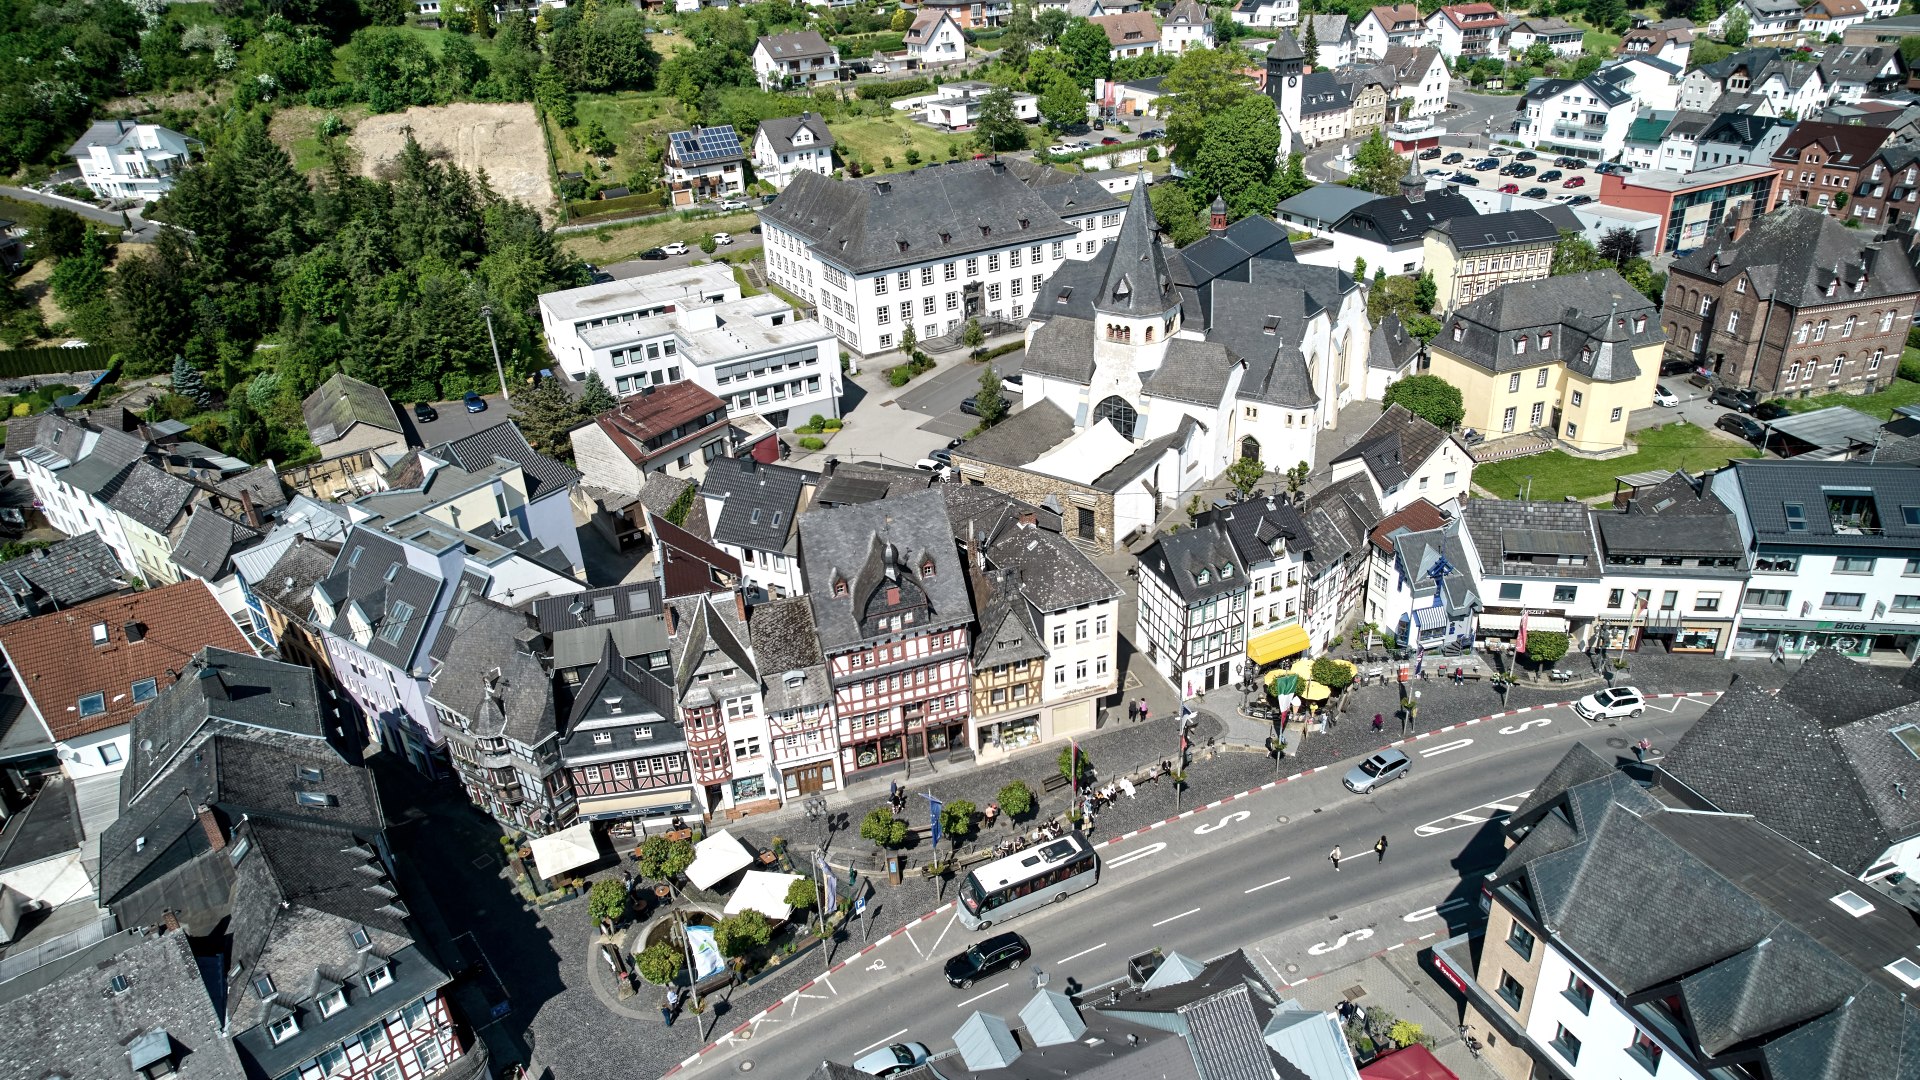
pixel 1248 872
pixel 742 248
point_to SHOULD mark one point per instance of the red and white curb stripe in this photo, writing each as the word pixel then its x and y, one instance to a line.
pixel 1214 805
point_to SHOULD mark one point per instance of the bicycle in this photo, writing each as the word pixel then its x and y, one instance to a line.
pixel 1472 1044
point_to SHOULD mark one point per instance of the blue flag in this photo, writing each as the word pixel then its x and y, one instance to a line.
pixel 934 806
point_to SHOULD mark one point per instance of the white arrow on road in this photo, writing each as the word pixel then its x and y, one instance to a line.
pixel 1446 748
pixel 1323 948
pixel 1133 856
pixel 1236 816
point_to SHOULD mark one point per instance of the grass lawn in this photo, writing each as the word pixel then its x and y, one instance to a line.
pixel 617 242
pixel 1882 404
pixel 870 140
pixel 627 118
pixel 1596 42
pixel 1675 446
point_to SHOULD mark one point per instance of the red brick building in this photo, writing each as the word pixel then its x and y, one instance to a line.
pixel 1889 191
pixel 1821 165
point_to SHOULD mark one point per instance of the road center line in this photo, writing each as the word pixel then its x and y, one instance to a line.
pixel 1182 915
pixel 1269 884
pixel 977 997
pixel 1082 953
pixel 882 1042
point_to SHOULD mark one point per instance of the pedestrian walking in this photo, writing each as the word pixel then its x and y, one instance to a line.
pixel 1133 710
pixel 672 1006
pixel 1379 722
pixel 993 812
pixel 1640 750
pixel 1380 849
pixel 1334 858
pixel 1144 711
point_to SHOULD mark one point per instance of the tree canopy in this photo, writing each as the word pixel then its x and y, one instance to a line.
pixel 1429 397
pixel 1203 84
pixel 1376 167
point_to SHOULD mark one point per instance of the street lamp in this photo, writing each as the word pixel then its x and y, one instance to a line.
pixel 486 312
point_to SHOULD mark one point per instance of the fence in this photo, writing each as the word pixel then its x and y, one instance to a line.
pixel 52 360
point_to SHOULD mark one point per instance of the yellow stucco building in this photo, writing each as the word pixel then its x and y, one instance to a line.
pixel 1470 257
pixel 1572 356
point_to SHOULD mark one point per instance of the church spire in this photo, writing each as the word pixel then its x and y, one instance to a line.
pixel 1136 281
pixel 1413 186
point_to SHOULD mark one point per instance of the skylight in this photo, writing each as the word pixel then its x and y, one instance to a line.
pixel 1906 971
pixel 1852 903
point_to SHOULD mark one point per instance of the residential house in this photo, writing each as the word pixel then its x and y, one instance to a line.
pixel 1689 206
pixel 494 695
pixel 934 38
pixel 1138 98
pixel 1333 40
pixel 1129 36
pixel 1388 26
pixel 1468 31
pixel 688 564
pixel 798 696
pixel 1391 355
pixel 1334 575
pixel 678 429
pixel 1665 39
pixel 1852 72
pixel 121 159
pixel 1557 985
pixel 1584 118
pixel 61 575
pixel 1188 26
pixel 1796 305
pixel 1829 557
pixel 716 685
pixel 1558 35
pixel 284 594
pixel 1538 356
pixel 1369 92
pixel 624 747
pixel 753 512
pixel 890 604
pixel 931 248
pixel 1389 231
pixel 705 163
pixel 1678 150
pixel 1406 459
pixel 1419 585
pixel 785 145
pixel 1823 18
pixel 1535 566
pixel 956 106
pixel 346 415
pixel 801 58
pixel 1273 544
pixel 1740 138
pixel 568 313
pixel 1324 109
pixel 1736 73
pixel 77 470
pixel 1191 620
pixel 205 549
pixel 1885 197
pixel 1674 567
pixel 503 484
pixel 303 520
pixel 1769 22
pixel 1423 79
pixel 974 14
pixel 1267 14
pixel 1821 165
pixel 1470 257
pixel 576 629
pixel 757 352
pixel 87 670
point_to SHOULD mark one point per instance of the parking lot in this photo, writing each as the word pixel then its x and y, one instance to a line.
pixel 1554 178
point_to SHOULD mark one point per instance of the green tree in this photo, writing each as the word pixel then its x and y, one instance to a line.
pixel 1423 327
pixel 601 48
pixel 1331 673
pixel 661 859
pixel 1575 254
pixel 461 66
pixel 1539 54
pixel 956 820
pixel 1203 84
pixel 909 341
pixel 1359 268
pixel 989 400
pixel 1050 24
pixel 1376 167
pixel 595 398
pixel 973 337
pixel 1546 646
pixel 1016 800
pixel 882 828
pixel 1177 212
pixel 1738 26
pixel 1246 474
pixel 607 900
pixel 901 21
pixel 802 894
pixel 999 127
pixel 1067 760
pixel 545 414
pixel 1311 45
pixel 550 93
pixel 659 963
pixel 391 68
pixel 189 384
pixel 1618 245
pixel 1405 1033
pixel 738 935
pixel 63 234
pixel 1062 104
pixel 682 505
pixel 80 278
pixel 593 138
pixel 1426 291
pixel 1237 156
pixel 1607 14
pixel 1089 55
pixel 1293 179
pixel 1296 478
pixel 1429 397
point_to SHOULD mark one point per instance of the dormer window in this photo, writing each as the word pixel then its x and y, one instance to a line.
pixel 1459 330
pixel 1226 571
pixel 1546 340
pixel 263 985
pixel 1519 345
pixel 333 1003
pixel 926 569
pixel 1202 577
pixel 379 978
pixel 283 1029
pixel 839 586
pixel 1639 324
pixel 1740 285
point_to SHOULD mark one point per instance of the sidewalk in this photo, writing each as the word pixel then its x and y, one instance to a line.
pixel 1396 983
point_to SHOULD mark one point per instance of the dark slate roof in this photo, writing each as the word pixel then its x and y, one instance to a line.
pixel 1845 145
pixel 289 585
pixel 1391 347
pixel 760 504
pixel 709 654
pixel 578 624
pixel 48 826
pixel 1020 438
pixel 260 483
pixel 207 544
pixel 1136 281
pixel 781 129
pixel 1502 527
pixel 796 45
pixel 793 671
pixel 486 674
pixel 1320 93
pixel 1260 530
pixel 1052 574
pixel 150 495
pixel 1596 318
pixel 63 1019
pixel 1338 518
pixel 1395 446
pixel 1767 487
pixel 62 574
pixel 1255 236
pixel 1196 372
pixel 477 451
pixel 1327 202
pixel 1396 219
pixel 1794 255
pixel 344 401
pixel 1007 632
pixel 1285 47
pixel 1677 516
pixel 372 572
pixel 855 544
pixel 874 224
pixel 619 693
pixel 1183 558
pixel 1498 230
pixel 1604 84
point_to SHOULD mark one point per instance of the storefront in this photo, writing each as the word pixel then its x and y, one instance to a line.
pixel 1006 736
pixel 1500 628
pixel 1702 636
pixel 637 813
pixel 1798 637
pixel 1278 644
pixel 799 781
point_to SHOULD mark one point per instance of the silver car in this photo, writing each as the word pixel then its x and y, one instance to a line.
pixel 1380 769
pixel 899 1057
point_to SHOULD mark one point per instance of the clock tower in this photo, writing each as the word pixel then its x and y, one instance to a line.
pixel 1286 68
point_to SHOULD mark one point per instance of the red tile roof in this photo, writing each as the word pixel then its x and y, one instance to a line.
pixel 1473 14
pixel 1418 516
pixel 1402 15
pixel 57 662
pixel 647 416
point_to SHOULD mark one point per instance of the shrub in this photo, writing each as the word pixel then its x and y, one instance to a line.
pixel 1331 673
pixel 802 894
pixel 1016 799
pixel 738 935
pixel 816 421
pixel 706 244
pixel 661 858
pixel 882 828
pixel 834 425
pixel 812 442
pixel 1546 646
pixel 1065 763
pixel 658 964
pixel 899 376
pixel 607 900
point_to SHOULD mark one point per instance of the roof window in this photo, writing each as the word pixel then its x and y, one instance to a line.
pixel 1796 516
pixel 1853 904
pixel 99 633
pixel 1906 971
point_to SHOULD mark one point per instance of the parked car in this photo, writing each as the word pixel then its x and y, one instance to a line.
pixel 1377 771
pixel 1534 193
pixel 1434 172
pixel 1744 426
pixel 888 1060
pixel 675 248
pixel 733 204
pixel 1523 170
pixel 1014 383
pixel 1099 125
pixel 1665 398
pixel 723 238
pixel 1574 181
pixel 1701 379
pixel 1569 163
pixel 1508 168
pixel 425 413
pixel 475 403
pixel 1154 133
pixel 1060 148
pixel 955 444
pixel 1675 367
pixel 1001 952
pixel 1729 398
pixel 1454 158
pixel 1525 155
pixel 1464 178
pixel 1551 175
pixel 1769 410
pixel 1429 153
pixel 1109 141
pixel 1500 151
pixel 970 406
pixel 927 464
pixel 653 254
pixel 944 457
pixel 1509 189
pixel 1612 703
pixel 1612 168
pixel 1580 200
pixel 1486 165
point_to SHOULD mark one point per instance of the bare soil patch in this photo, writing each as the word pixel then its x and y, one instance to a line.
pixel 502 138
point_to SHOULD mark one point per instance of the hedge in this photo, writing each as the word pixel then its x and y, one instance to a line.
pixel 625 204
pixel 889 90
pixel 53 360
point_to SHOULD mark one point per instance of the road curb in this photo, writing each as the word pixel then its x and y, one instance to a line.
pixel 763 1014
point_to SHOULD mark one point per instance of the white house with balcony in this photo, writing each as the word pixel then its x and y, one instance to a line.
pixel 788 145
pixel 120 159
pixel 935 38
pixel 1585 118
pixel 956 106
pixel 799 59
pixel 565 314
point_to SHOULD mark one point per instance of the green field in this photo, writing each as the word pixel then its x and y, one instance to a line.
pixel 628 118
pixel 870 140
pixel 1556 474
pixel 1881 405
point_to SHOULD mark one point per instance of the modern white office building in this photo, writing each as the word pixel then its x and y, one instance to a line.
pixel 568 313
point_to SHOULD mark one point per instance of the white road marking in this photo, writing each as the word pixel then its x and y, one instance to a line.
pixel 943 934
pixel 1131 856
pixel 1474 815
pixel 1516 729
pixel 977 997
pixel 1236 816
pixel 1323 948
pixel 1443 748
pixel 878 965
pixel 1082 953
pixel 1432 912
pixel 1276 881
pixel 882 1042
pixel 1671 706
pixel 908 934
pixel 1182 915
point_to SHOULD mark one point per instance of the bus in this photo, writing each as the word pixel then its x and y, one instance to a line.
pixel 1047 872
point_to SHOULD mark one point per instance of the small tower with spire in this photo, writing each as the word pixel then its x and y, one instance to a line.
pixel 1413 186
pixel 1217 219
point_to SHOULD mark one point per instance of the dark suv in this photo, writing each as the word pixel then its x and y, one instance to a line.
pixel 1744 426
pixel 1001 952
pixel 1728 397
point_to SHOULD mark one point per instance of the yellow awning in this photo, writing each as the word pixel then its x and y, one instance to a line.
pixel 1275 644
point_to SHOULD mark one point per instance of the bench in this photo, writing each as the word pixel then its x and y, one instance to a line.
pixel 1055 782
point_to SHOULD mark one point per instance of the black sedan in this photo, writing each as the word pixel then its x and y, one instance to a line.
pixel 1569 162
pixel 1534 193
pixel 1000 952
pixel 425 413
pixel 1525 155
pixel 970 406
pixel 1454 158
pixel 1429 153
pixel 1523 170
pixel 653 254
pixel 1551 175
pixel 1464 178
pixel 1744 426
pixel 1770 410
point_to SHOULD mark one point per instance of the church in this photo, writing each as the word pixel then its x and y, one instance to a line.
pixel 1149 370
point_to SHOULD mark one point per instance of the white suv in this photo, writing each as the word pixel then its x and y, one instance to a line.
pixel 1612 704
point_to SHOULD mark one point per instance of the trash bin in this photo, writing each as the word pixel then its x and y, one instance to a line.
pixel 893 869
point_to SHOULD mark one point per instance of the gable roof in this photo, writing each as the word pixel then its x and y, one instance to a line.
pixel 1395 447
pixel 1199 564
pixel 1497 230
pixel 760 504
pixel 1502 527
pixel 1019 439
pixel 865 544
pixel 1766 488
pixel 926 24
pixel 795 45
pixel 784 643
pixel 66 572
pixel 1399 18
pixel 341 403
pixel 1795 254
pixel 476 453
pixel 780 131
pixel 1846 146
pixel 208 543
pixel 485 674
pixel 148 494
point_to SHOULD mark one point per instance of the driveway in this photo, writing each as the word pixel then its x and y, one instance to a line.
pixel 738 251
pixel 455 421
pixel 925 414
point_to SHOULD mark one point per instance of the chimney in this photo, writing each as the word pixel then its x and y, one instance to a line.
pixel 672 621
pixel 248 510
pixel 210 825
pixel 169 921
pixel 212 685
pixel 39 554
pixel 740 603
pixel 1739 221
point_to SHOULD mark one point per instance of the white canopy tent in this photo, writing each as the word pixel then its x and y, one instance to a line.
pixel 763 892
pixel 557 853
pixel 716 857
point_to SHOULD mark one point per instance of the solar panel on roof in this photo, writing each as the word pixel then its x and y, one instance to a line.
pixel 705 144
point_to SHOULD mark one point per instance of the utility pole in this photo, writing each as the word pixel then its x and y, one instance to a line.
pixel 486 312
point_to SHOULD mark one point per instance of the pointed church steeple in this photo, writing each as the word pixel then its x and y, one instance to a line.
pixel 1137 282
pixel 1413 186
